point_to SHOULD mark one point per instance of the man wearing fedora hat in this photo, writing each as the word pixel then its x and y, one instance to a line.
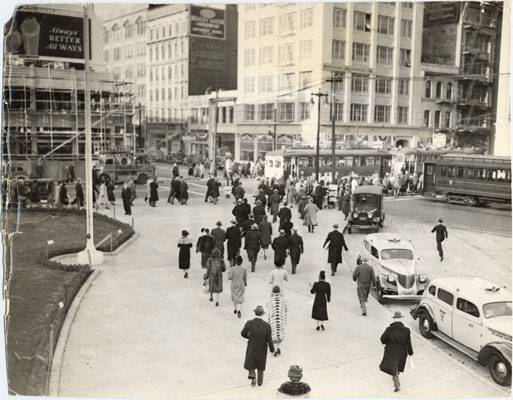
pixel 252 245
pixel 233 241
pixel 364 277
pixel 259 335
pixel 335 241
pixel 397 341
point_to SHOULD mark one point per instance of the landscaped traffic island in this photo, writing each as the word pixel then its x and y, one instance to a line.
pixel 41 291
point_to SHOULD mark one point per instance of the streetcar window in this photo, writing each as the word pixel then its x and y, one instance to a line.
pixel 341 162
pixel 481 173
pixel 443 171
pixel 304 162
pixel 356 161
pixel 471 173
pixel 363 161
pixel 271 163
pixel 349 161
pixel 370 162
pixel 277 164
pixel 461 172
pixel 451 172
pixel 501 175
pixel 508 175
pixel 430 169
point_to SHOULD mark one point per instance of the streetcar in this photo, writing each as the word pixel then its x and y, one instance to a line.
pixel 298 163
pixel 469 179
pixel 416 157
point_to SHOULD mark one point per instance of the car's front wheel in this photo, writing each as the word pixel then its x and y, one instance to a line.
pixel 425 325
pixel 500 369
pixel 379 294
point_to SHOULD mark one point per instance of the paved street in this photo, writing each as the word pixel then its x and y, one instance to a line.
pixel 142 330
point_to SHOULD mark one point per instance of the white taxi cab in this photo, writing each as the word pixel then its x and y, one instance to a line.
pixel 394 263
pixel 472 315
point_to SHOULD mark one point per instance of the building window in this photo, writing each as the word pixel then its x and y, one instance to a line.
pixel 249 57
pixel 307 18
pixel 447 122
pixel 402 115
pixel 438 120
pixel 266 55
pixel 287 22
pixel 381 113
pixel 339 111
pixel 106 55
pixel 286 53
pixel 362 21
pixel 304 110
pixel 266 26
pixel 305 79
pixel 286 111
pixel 360 83
pixel 337 49
pixel 117 53
pixel 384 55
pixel 385 25
pixel 249 112
pixel 404 87
pixel 339 85
pixel 360 52
pixel 106 36
pixel 339 18
pixel 305 49
pixel 265 83
pixel 249 84
pixel 250 29
pixel 288 81
pixel 129 52
pixel 427 93
pixel 358 112
pixel 438 90
pixel 383 85
pixel 448 91
pixel 266 111
pixel 427 118
pixel 406 28
pixel 405 57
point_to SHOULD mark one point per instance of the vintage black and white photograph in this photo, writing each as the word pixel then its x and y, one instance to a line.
pixel 256 200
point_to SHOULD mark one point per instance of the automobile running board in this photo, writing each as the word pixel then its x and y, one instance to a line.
pixel 458 346
pixel 402 296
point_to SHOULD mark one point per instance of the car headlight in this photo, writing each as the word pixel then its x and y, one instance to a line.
pixel 355 214
pixel 369 215
pixel 391 278
pixel 422 278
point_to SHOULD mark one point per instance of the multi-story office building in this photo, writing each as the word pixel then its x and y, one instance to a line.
pixel 287 52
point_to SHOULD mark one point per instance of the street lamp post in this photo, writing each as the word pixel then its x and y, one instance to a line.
pixel 333 110
pixel 319 95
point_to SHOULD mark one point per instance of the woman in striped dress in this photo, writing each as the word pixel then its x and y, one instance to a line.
pixel 277 318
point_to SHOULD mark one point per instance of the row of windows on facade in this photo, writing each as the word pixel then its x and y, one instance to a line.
pixel 127 52
pixel 438 90
pixel 157 73
pixel 359 83
pixel 360 53
pixel 253 6
pixel 174 28
pixel 225 115
pixel 286 112
pixel 176 93
pixel 438 122
pixel 361 23
pixel 155 52
pixel 127 30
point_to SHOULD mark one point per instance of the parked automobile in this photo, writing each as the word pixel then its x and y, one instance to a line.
pixel 472 315
pixel 394 262
pixel 367 211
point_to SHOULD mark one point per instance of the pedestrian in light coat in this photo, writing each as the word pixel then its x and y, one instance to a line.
pixel 184 256
pixel 239 280
pixel 296 249
pixel 214 274
pixel 259 335
pixel 278 276
pixel 397 341
pixel 336 243
pixel 277 309
pixel 441 235
pixel 322 291
pixel 266 230
pixel 219 236
pixel 233 242
pixel 310 212
pixel 364 277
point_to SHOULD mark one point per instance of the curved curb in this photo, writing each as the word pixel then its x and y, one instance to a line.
pixel 58 355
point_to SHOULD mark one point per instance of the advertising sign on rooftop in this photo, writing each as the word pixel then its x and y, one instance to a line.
pixel 207 22
pixel 36 34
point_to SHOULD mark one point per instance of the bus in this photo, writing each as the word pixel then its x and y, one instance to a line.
pixel 469 179
pixel 299 163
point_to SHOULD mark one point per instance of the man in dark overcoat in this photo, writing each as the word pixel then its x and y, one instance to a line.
pixel 397 341
pixel 205 245
pixel 174 191
pixel 280 245
pixel 296 249
pixel 441 235
pixel 233 242
pixel 252 245
pixel 261 196
pixel 258 333
pixel 209 188
pixel 336 243
pixel 364 277
pixel 246 225
pixel 284 214
pixel 219 236
pixel 240 212
pixel 154 194
pixel 274 204
pixel 258 211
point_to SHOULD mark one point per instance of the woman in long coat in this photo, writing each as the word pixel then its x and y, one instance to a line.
pixel 296 249
pixel 110 192
pixel 291 192
pixel 266 231
pixel 277 307
pixel 233 242
pixel 397 341
pixel 184 256
pixel 322 291
pixel 154 194
pixel 346 203
pixel 239 277
pixel 214 274
pixel 311 210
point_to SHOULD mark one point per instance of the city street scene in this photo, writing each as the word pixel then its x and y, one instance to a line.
pixel 257 200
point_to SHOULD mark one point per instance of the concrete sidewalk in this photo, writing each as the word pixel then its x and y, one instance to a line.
pixel 144 331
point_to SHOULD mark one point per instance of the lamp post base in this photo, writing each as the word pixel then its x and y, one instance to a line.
pixel 90 256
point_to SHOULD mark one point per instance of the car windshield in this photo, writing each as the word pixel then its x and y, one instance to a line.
pixel 366 201
pixel 499 309
pixel 403 254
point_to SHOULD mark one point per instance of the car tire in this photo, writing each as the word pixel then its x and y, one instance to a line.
pixel 379 294
pixel 349 230
pixel 425 325
pixel 500 369
pixel 104 177
pixel 142 179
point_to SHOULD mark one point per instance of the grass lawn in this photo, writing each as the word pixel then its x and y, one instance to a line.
pixel 35 290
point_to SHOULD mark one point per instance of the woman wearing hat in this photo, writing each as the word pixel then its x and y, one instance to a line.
pixel 277 307
pixel 184 256
pixel 266 231
pixel 214 274
pixel 397 341
pixel 239 280
pixel 322 291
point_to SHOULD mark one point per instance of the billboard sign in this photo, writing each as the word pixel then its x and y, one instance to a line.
pixel 438 13
pixel 207 22
pixel 36 34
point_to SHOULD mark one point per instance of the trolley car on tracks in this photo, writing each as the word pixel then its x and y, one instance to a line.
pixel 469 179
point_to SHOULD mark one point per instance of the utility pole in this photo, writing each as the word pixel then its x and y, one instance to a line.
pixel 333 110
pixel 275 139
pixel 319 95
